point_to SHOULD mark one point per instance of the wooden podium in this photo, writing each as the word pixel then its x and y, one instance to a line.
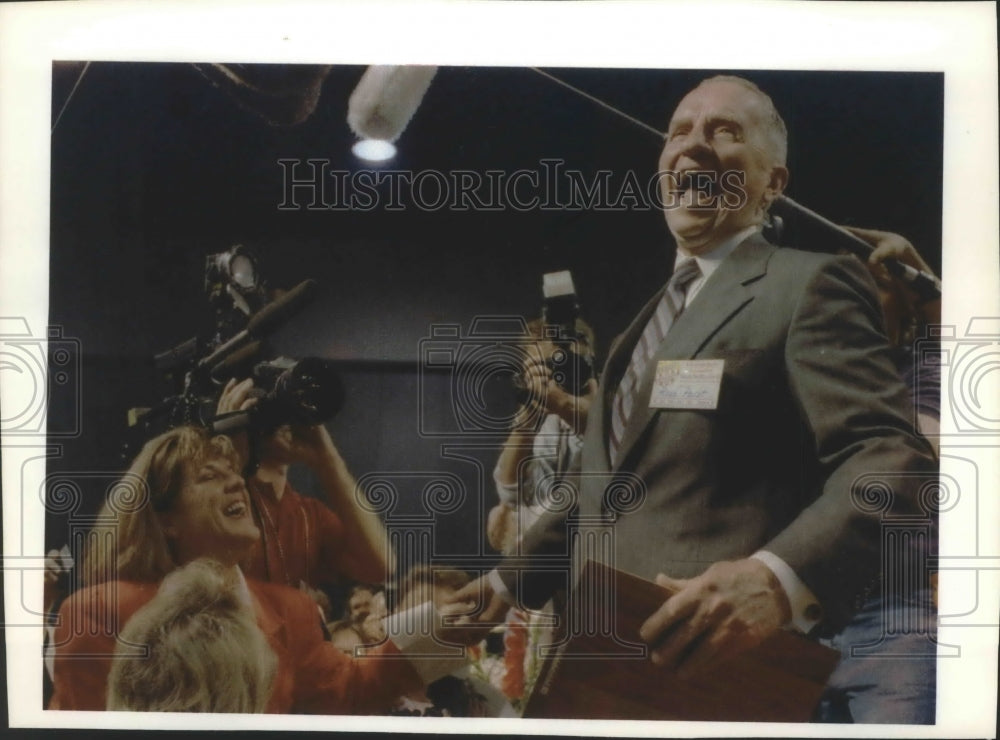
pixel 605 673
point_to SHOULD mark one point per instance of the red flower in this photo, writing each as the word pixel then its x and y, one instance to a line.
pixel 515 642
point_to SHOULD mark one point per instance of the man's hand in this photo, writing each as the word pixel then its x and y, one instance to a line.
pixel 476 609
pixel 731 607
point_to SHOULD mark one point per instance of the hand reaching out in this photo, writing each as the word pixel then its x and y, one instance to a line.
pixel 476 609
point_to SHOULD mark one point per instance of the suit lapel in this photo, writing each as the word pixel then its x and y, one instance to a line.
pixel 619 355
pixel 730 288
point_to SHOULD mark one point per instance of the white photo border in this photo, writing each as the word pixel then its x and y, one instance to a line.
pixel 958 39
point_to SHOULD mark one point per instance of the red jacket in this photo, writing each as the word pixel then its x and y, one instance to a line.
pixel 312 676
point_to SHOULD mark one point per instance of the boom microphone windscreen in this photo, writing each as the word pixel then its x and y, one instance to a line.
pixel 386 98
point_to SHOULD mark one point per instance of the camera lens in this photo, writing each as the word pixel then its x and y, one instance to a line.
pixel 311 391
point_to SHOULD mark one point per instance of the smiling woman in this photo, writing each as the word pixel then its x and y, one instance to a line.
pixel 182 500
pixel 169 508
pixel 211 515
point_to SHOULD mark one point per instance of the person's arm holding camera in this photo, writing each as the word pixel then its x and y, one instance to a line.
pixel 365 556
pixel 237 396
pixel 501 524
pixel 543 397
pixel 361 551
pixel 571 409
pixel 536 378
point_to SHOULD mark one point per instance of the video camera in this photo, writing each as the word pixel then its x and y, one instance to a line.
pixel 571 370
pixel 306 391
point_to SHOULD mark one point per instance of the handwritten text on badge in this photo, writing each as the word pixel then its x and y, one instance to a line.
pixel 687 384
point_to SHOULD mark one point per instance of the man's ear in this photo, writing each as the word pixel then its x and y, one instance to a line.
pixel 776 184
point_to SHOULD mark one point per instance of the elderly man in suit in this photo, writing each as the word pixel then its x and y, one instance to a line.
pixel 750 398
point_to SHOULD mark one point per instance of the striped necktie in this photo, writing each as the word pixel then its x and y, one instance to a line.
pixel 667 310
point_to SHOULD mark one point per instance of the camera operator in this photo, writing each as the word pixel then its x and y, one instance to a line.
pixel 304 540
pixel 545 438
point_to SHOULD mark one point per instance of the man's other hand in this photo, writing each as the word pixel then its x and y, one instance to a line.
pixel 730 608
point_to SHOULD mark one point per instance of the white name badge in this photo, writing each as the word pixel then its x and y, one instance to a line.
pixel 687 384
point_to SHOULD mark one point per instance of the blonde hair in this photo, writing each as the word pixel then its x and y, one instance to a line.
pixel 206 652
pixel 128 541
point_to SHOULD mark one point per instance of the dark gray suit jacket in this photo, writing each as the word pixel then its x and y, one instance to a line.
pixel 812 416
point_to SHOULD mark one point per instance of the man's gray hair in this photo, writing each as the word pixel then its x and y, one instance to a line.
pixel 777 132
pixel 206 652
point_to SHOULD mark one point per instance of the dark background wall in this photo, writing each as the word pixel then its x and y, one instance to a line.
pixel 153 168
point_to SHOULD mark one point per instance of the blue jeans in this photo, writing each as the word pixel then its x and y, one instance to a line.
pixel 888 667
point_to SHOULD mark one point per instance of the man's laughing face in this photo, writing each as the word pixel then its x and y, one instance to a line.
pixel 719 170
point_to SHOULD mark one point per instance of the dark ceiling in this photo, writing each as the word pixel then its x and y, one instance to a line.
pixel 154 167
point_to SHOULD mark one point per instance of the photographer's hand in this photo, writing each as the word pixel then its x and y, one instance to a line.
pixel 236 397
pixel 571 409
pixel 308 444
pixel 535 377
